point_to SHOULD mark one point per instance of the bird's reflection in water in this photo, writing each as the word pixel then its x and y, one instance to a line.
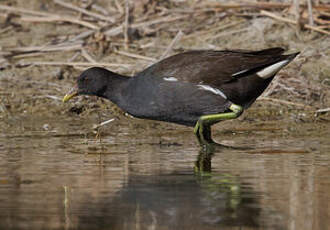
pixel 204 158
pixel 175 201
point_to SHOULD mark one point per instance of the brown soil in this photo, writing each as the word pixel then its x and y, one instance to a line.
pixel 36 90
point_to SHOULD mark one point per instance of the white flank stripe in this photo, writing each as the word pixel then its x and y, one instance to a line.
pixel 240 72
pixel 170 79
pixel 273 69
pixel 213 90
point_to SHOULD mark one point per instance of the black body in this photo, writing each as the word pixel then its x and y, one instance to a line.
pixel 171 91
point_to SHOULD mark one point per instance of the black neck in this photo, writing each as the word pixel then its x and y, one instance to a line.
pixel 115 86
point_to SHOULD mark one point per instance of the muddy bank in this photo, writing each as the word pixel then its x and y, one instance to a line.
pixel 37 89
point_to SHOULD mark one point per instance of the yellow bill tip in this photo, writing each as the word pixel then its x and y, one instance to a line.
pixel 72 93
pixel 69 96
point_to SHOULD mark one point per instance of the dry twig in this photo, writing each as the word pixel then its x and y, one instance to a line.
pixel 86 12
pixel 119 29
pixel 136 56
pixel 58 18
pixel 216 29
pixel 274 16
pixel 285 102
pixel 176 39
pixel 87 56
pixel 103 123
pixel 126 38
pixel 6 29
pixel 46 48
pixel 21 64
pixel 310 12
pixel 46 17
pixel 322 110
pixel 23 11
pixel 255 5
pixel 119 7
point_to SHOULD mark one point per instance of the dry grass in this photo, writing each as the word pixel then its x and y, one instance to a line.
pixel 44 43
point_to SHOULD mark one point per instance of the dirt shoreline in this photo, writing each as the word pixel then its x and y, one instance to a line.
pixel 28 90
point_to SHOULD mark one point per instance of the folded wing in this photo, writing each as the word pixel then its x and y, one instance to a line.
pixel 213 67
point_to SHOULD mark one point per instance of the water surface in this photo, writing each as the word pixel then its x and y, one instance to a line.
pixel 54 174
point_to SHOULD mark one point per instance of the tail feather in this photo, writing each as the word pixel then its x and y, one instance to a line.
pixel 275 51
pixel 272 69
pixel 269 52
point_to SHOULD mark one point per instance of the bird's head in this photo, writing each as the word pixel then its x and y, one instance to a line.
pixel 93 81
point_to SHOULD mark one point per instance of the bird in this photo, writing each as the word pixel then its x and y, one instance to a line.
pixel 196 88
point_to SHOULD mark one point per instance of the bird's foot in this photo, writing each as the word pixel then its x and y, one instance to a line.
pixel 203 133
pixel 202 128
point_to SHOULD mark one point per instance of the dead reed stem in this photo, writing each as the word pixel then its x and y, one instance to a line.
pixel 279 18
pixel 175 40
pixel 86 12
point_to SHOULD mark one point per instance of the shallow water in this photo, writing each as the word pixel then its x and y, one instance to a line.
pixel 55 175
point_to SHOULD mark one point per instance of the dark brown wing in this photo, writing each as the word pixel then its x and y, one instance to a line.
pixel 212 67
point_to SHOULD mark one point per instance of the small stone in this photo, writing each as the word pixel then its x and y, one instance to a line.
pixel 46 127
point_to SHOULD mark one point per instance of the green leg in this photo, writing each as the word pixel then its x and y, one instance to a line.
pixel 202 128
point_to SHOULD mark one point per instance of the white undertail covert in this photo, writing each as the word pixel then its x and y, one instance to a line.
pixel 271 70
